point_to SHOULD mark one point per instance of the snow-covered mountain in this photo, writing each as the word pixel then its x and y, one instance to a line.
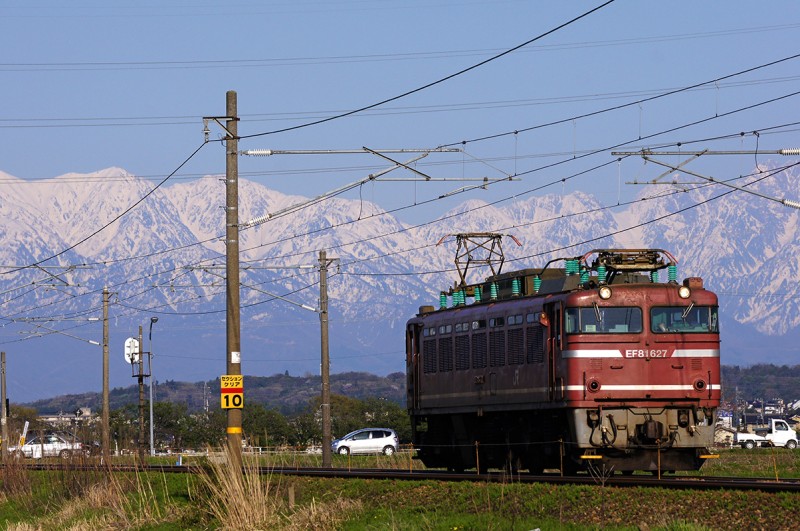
pixel 160 250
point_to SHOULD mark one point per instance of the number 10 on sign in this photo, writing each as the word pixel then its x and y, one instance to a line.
pixel 232 391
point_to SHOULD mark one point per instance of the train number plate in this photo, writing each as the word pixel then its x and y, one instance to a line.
pixel 646 353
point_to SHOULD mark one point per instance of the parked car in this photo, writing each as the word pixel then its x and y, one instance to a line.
pixel 367 441
pixel 50 445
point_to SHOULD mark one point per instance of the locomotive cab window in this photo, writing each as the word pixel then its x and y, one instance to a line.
pixel 684 319
pixel 603 320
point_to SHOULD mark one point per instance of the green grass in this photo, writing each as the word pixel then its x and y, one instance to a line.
pixel 154 501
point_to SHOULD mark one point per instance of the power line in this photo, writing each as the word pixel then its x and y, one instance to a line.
pixel 364 58
pixel 150 121
pixel 622 106
pixel 120 215
pixel 433 83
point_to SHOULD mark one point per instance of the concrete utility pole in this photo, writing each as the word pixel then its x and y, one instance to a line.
pixel 153 320
pixel 325 367
pixel 4 414
pixel 234 359
pixel 104 421
pixel 141 400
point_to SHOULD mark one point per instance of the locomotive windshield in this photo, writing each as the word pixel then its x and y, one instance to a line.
pixel 684 319
pixel 600 320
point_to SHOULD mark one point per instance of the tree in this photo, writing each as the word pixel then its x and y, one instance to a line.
pixel 123 425
pixel 349 414
pixel 264 427
pixel 169 421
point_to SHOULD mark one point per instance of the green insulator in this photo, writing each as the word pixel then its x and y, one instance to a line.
pixel 571 267
pixel 443 300
pixel 515 287
pixel 478 293
pixel 537 283
pixel 601 273
pixel 584 275
pixel 654 277
pixel 461 297
pixel 456 298
pixel 493 291
pixel 672 271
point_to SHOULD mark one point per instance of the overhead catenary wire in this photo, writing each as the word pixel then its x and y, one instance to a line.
pixel 433 83
pixel 622 106
pixel 741 133
pixel 114 220
pixel 685 125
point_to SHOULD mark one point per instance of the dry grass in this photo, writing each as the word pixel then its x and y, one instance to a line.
pixel 246 499
pixel 88 501
pixel 323 516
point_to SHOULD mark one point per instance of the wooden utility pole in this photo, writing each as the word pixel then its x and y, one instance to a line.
pixel 325 367
pixel 104 421
pixel 234 359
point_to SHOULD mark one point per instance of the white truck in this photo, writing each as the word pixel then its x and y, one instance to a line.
pixel 778 433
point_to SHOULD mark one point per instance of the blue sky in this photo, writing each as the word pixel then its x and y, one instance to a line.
pixel 90 84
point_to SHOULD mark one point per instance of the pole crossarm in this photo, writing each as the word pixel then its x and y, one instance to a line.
pixel 50 276
pixel 51 331
pixel 361 151
pixel 229 135
pixel 371 177
pixel 259 290
pixel 644 152
pixel 786 202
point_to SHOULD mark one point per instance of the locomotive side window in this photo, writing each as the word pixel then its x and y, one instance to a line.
pixel 478 325
pixel 603 320
pixel 684 319
pixel 497 322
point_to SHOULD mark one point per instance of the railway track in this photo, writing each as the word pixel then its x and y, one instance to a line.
pixel 671 482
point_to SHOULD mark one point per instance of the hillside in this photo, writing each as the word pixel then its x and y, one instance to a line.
pixel 292 394
pixel 288 394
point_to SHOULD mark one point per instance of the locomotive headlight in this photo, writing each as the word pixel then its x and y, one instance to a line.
pixel 684 292
pixel 699 385
pixel 605 292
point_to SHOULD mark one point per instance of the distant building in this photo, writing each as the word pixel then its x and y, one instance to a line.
pixel 62 420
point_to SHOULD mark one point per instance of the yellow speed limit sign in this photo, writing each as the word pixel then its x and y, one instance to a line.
pixel 231 387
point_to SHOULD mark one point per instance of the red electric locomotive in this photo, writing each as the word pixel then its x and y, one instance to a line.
pixel 557 368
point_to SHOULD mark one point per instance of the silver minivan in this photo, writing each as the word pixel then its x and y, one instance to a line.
pixel 367 441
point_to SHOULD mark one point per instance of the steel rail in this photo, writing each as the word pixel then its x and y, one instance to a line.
pixel 672 482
